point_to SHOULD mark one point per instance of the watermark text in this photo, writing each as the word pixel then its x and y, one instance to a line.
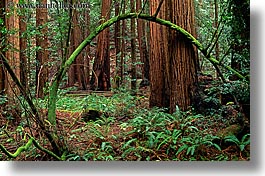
pixel 59 5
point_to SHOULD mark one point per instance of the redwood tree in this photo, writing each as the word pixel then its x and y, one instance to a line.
pixel 117 40
pixel 24 71
pixel 133 48
pixel 173 58
pixel 86 53
pixel 2 25
pixel 76 73
pixel 12 54
pixel 144 54
pixel 123 45
pixel 42 54
pixel 101 69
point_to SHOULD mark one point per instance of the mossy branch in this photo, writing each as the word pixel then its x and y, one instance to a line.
pixel 113 20
pixel 26 147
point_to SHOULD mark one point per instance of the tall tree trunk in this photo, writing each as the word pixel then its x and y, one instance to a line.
pixel 117 40
pixel 86 29
pixel 76 73
pixel 2 73
pixel 12 54
pixel 183 55
pixel 133 49
pixel 101 69
pixel 123 45
pixel 158 51
pixel 216 14
pixel 24 71
pixel 42 54
pixel 144 54
pixel 173 58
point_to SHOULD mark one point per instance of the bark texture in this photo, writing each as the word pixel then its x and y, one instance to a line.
pixel 173 57
pixel 76 73
pixel 101 69
pixel 42 54
pixel 12 53
pixel 144 54
pixel 2 73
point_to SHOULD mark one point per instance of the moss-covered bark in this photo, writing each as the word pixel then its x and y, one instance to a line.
pixel 26 147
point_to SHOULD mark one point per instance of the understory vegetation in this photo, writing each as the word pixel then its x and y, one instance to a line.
pixel 124 128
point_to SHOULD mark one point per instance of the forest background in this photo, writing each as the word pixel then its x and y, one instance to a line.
pixel 180 119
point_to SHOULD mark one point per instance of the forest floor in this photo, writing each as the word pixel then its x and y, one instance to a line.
pixel 130 130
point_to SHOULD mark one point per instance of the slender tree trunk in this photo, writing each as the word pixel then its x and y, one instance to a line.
pixel 216 26
pixel 144 54
pixel 12 54
pixel 42 54
pixel 101 78
pixel 133 48
pixel 123 46
pixel 23 47
pixel 86 29
pixel 216 14
pixel 2 72
pixel 117 39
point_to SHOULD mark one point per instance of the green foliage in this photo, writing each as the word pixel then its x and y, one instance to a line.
pixel 117 105
pixel 240 143
pixel 240 89
pixel 231 34
pixel 3 99
pixel 194 141
pixel 149 134
pixel 144 134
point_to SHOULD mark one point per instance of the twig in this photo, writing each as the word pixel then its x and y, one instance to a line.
pixel 158 8
pixel 143 7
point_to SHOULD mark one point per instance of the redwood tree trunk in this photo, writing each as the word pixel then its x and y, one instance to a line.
pixel 24 71
pixel 133 48
pixel 123 46
pixel 76 73
pixel 117 40
pixel 2 73
pixel 42 54
pixel 86 29
pixel 101 69
pixel 12 54
pixel 144 55
pixel 173 58
pixel 158 51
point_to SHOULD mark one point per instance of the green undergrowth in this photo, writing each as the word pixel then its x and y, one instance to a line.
pixel 146 134
pixel 127 131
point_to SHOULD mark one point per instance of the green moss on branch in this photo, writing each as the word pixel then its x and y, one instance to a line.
pixel 26 147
